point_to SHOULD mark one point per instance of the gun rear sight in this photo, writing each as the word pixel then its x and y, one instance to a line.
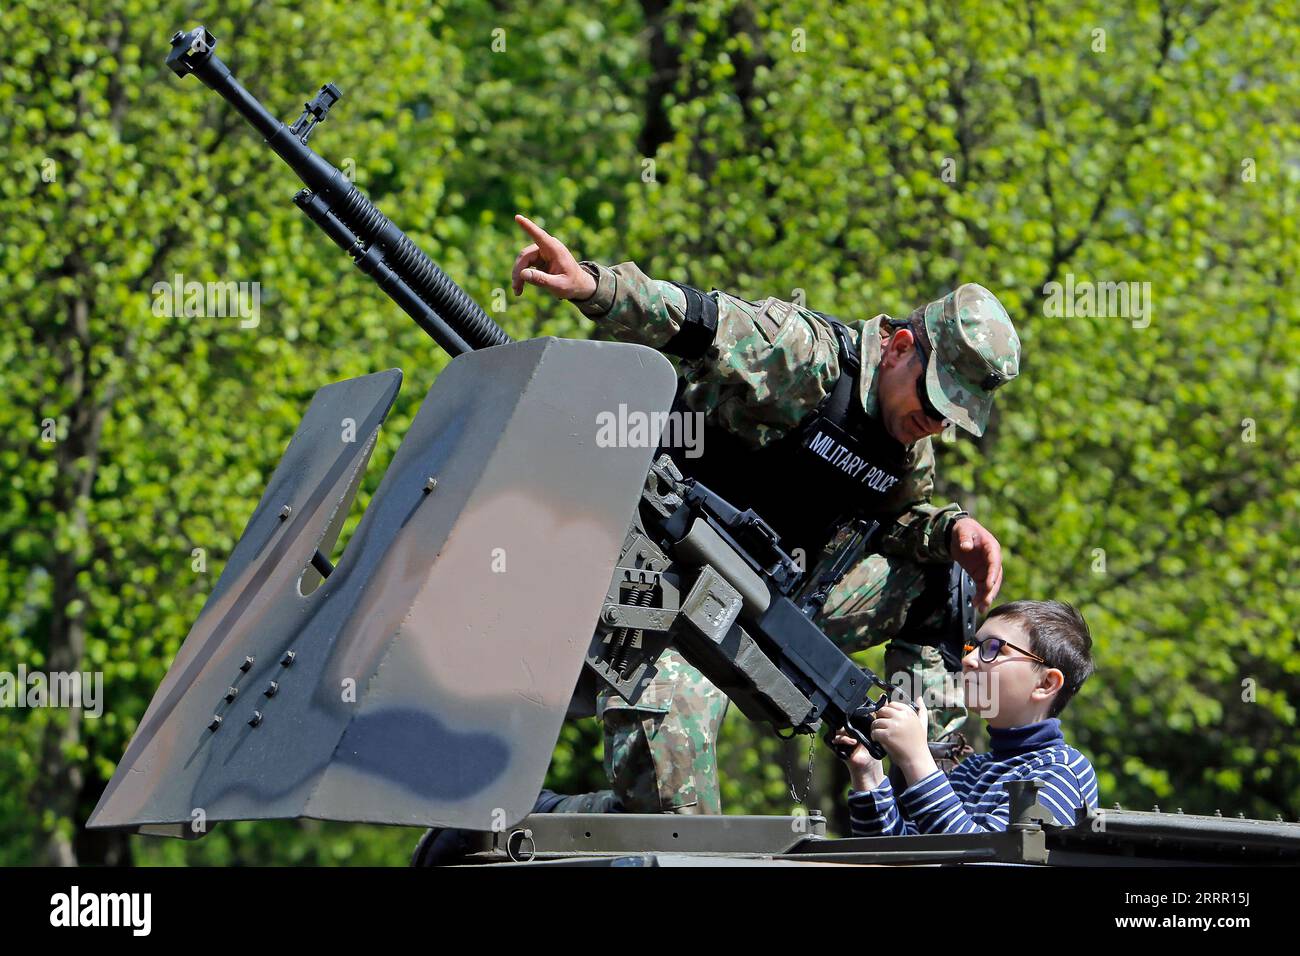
pixel 315 111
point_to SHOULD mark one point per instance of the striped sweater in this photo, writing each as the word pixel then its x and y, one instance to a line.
pixel 973 799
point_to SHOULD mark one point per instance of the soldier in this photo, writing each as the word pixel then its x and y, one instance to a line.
pixel 792 398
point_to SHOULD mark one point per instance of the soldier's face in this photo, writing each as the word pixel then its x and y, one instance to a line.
pixel 900 405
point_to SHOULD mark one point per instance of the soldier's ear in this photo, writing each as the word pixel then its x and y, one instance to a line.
pixel 897 347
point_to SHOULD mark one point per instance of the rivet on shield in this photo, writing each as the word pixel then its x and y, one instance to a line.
pixel 285 512
pixel 255 719
pixel 430 485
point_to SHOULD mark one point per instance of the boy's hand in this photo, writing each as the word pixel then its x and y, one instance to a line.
pixel 548 264
pixel 865 771
pixel 902 732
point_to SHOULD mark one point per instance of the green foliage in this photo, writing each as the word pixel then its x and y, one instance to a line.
pixel 796 146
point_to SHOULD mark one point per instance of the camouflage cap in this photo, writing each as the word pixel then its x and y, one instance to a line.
pixel 975 350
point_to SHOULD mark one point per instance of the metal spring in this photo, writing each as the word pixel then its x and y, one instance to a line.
pixel 626 638
pixel 429 282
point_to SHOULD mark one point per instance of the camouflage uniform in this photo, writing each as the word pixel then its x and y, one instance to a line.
pixel 770 364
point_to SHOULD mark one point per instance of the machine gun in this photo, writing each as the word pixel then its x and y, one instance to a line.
pixel 713 582
pixel 455 678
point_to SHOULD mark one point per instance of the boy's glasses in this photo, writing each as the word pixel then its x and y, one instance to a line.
pixel 991 647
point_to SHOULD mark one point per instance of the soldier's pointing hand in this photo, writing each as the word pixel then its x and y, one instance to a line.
pixel 548 264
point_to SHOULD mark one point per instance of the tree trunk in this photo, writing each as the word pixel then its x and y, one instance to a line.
pixel 60 777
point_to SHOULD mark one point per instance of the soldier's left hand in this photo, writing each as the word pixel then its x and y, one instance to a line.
pixel 980 555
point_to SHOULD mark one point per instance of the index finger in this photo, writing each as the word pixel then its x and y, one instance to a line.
pixel 993 569
pixel 997 585
pixel 540 235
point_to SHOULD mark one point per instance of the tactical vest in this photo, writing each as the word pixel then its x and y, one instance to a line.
pixel 837 463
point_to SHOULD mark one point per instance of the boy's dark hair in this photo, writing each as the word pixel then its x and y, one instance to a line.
pixel 1059 635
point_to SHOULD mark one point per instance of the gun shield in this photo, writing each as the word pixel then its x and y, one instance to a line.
pixel 424 681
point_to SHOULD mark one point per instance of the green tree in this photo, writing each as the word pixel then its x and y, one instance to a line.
pixel 864 158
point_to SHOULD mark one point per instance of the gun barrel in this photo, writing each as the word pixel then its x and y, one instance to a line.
pixel 372 264
pixel 442 308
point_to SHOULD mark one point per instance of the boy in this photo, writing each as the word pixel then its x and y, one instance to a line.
pixel 1029 659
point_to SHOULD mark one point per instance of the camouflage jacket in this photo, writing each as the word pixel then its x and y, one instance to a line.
pixel 771 363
